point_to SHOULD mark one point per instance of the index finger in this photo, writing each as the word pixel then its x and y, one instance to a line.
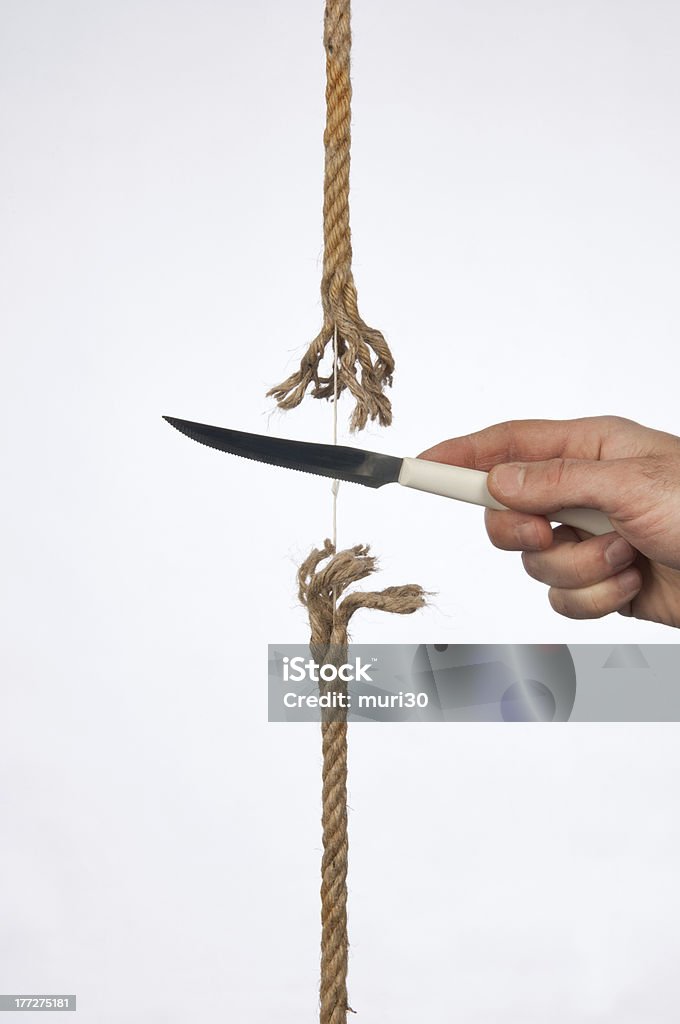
pixel 524 441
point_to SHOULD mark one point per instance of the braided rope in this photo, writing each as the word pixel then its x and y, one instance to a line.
pixel 364 362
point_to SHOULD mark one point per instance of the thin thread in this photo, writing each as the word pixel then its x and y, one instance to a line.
pixel 335 387
pixel 335 486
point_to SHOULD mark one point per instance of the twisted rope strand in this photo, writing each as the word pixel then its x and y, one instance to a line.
pixel 362 363
pixel 319 587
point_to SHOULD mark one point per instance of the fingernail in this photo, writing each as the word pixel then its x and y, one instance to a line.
pixel 527 536
pixel 629 581
pixel 509 479
pixel 618 553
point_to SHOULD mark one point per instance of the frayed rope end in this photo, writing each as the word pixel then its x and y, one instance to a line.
pixel 320 588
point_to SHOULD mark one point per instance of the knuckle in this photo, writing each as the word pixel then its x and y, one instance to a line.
pixel 615 423
pixel 498 540
pixel 596 601
pixel 577 569
pixel 582 604
pixel 500 529
pixel 658 469
pixel 560 603
pixel 533 565
pixel 554 472
pixel 494 528
pixel 511 430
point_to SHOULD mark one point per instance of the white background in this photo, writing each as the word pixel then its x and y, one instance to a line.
pixel 515 227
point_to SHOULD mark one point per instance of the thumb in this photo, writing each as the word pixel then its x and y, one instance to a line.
pixel 620 488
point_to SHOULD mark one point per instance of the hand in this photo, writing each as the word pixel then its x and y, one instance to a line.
pixel 629 472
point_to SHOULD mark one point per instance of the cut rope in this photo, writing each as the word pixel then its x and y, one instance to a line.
pixel 364 363
pixel 319 588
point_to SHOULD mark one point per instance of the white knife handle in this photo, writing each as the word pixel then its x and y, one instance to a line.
pixel 470 485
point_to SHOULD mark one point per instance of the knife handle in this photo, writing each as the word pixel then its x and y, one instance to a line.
pixel 470 485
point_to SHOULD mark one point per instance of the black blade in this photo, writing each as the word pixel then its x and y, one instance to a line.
pixel 336 461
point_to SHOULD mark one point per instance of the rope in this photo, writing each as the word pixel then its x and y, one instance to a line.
pixel 319 587
pixel 364 364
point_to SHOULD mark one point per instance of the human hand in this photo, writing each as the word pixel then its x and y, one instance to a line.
pixel 629 472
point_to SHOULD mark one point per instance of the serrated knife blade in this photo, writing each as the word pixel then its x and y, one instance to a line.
pixel 372 469
pixel 336 461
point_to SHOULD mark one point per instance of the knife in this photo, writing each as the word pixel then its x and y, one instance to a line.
pixel 371 469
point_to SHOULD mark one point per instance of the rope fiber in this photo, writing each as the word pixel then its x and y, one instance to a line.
pixel 364 361
pixel 362 364
pixel 319 588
